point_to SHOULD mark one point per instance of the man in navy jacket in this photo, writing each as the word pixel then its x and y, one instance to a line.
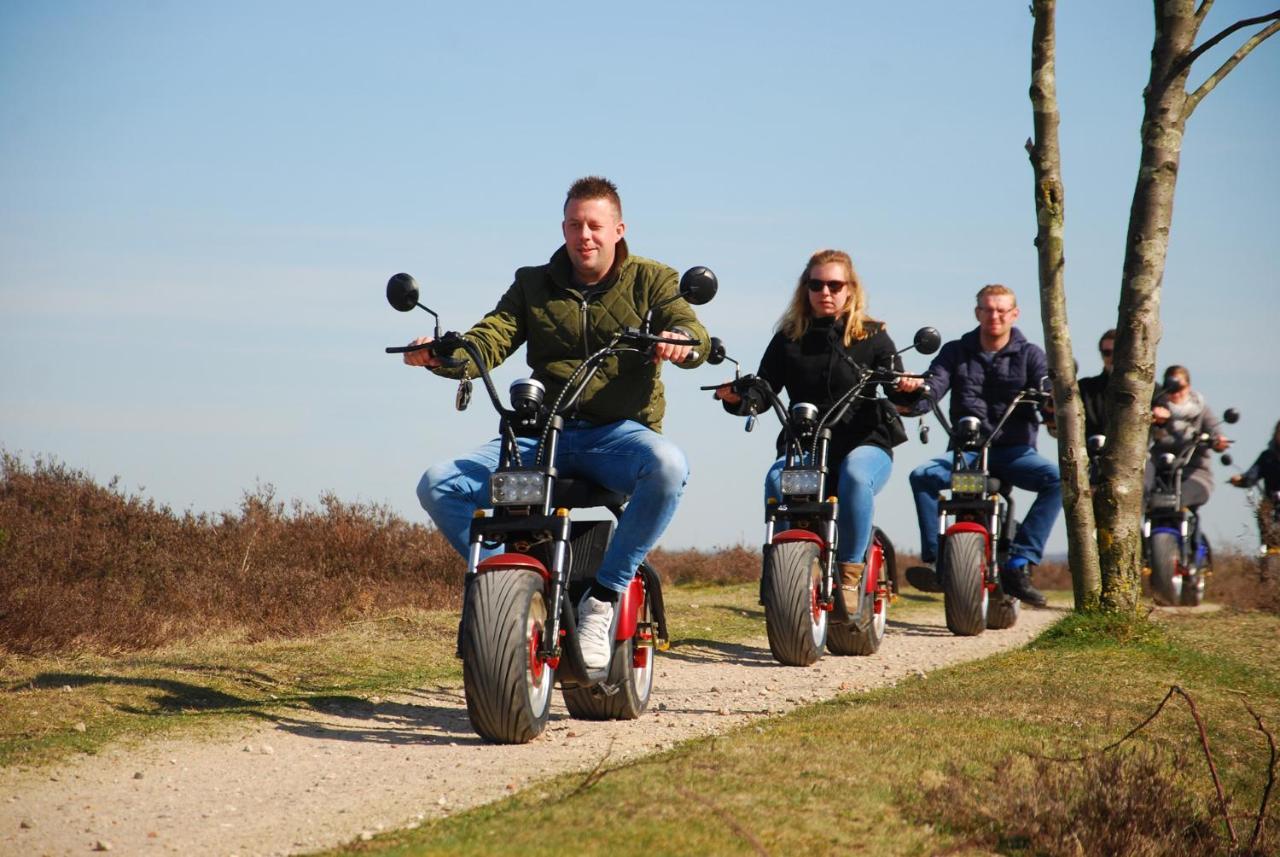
pixel 984 370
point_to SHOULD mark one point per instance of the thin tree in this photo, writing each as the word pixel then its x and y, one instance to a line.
pixel 1167 107
pixel 1050 199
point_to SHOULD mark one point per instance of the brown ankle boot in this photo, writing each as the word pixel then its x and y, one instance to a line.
pixel 851 575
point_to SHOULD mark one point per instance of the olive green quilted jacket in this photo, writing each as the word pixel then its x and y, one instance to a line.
pixel 562 325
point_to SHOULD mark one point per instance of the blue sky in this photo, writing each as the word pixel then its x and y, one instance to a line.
pixel 201 205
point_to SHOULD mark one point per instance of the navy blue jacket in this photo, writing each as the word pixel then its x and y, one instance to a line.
pixel 982 385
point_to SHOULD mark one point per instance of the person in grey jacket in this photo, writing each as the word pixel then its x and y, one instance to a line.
pixel 1179 415
pixel 984 370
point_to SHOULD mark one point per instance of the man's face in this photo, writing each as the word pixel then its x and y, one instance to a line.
pixel 996 315
pixel 592 230
pixel 1107 349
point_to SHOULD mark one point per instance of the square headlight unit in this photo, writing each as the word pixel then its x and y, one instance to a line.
pixel 518 488
pixel 799 482
pixel 968 482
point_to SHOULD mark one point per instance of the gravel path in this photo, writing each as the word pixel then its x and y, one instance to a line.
pixel 312 780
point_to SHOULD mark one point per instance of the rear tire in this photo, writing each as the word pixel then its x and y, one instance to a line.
pixel 1003 612
pixel 1165 583
pixel 632 696
pixel 508 686
pixel 845 638
pixel 796 624
pixel 962 567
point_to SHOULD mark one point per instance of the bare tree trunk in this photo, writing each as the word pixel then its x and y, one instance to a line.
pixel 1167 108
pixel 1050 201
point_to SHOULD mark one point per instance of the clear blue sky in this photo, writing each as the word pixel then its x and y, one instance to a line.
pixel 201 204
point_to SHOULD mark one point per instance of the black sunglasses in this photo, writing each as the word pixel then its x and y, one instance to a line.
pixel 832 286
pixel 1106 352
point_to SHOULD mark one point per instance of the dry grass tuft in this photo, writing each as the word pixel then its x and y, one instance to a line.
pixel 1128 802
pixel 88 567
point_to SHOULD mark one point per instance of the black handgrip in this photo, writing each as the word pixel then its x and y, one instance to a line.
pixel 445 362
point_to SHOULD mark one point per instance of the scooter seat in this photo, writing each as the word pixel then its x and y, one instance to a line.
pixel 584 494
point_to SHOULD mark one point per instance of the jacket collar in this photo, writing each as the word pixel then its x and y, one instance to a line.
pixel 1015 344
pixel 561 269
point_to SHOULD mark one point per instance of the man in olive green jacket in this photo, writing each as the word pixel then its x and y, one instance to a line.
pixel 565 310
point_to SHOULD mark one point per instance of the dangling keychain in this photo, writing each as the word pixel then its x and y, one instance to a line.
pixel 924 431
pixel 463 398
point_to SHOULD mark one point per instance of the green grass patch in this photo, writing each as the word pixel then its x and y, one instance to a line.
pixel 862 773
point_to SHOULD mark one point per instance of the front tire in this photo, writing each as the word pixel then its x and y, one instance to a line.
pixel 507 683
pixel 631 698
pixel 795 621
pixel 962 568
pixel 1165 580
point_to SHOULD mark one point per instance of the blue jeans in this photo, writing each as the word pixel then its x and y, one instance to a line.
pixel 625 456
pixel 1020 466
pixel 861 475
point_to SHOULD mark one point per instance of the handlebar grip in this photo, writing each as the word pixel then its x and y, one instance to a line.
pixel 405 349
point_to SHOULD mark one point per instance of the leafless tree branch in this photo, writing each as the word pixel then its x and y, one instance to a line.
pixel 1203 12
pixel 1234 60
pixel 1257 843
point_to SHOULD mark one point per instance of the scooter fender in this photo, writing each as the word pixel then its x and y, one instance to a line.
pixel 972 527
pixel 875 564
pixel 629 604
pixel 504 561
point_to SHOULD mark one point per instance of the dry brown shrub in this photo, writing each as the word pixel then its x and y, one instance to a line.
pixel 86 566
pixel 1131 801
pixel 1245 582
pixel 737 564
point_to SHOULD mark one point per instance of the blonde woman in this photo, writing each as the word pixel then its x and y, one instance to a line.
pixel 825 326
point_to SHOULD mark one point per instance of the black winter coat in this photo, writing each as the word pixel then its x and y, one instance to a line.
pixel 811 370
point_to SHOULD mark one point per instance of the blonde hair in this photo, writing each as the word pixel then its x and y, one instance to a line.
pixel 995 290
pixel 798 315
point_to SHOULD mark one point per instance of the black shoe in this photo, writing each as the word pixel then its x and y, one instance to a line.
pixel 1017 582
pixel 924 578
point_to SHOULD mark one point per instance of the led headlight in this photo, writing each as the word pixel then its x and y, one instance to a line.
pixel 518 488
pixel 969 482
pixel 799 482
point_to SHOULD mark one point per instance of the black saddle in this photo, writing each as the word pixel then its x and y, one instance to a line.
pixel 584 494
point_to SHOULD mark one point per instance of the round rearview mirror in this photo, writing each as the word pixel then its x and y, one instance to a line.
pixel 927 340
pixel 1231 415
pixel 402 292
pixel 698 285
pixel 1227 459
pixel 717 353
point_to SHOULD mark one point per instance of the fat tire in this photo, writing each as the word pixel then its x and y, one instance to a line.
pixel 504 607
pixel 1164 568
pixel 790 571
pixel 631 697
pixel 1002 612
pixel 962 567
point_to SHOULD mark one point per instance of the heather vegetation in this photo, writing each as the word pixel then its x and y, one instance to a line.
pixel 91 567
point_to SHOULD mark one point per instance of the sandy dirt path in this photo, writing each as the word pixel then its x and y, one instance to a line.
pixel 315 779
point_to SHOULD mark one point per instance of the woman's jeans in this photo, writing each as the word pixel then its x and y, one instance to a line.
pixel 1019 466
pixel 625 456
pixel 861 475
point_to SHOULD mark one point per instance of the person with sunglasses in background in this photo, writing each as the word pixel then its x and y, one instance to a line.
pixel 824 329
pixel 984 370
pixel 1093 390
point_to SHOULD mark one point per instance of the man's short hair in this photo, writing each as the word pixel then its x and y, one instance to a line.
pixel 594 187
pixel 994 290
pixel 1110 334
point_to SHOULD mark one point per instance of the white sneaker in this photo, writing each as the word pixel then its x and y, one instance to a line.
pixel 595 621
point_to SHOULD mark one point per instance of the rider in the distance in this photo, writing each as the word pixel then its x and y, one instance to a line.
pixel 984 370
